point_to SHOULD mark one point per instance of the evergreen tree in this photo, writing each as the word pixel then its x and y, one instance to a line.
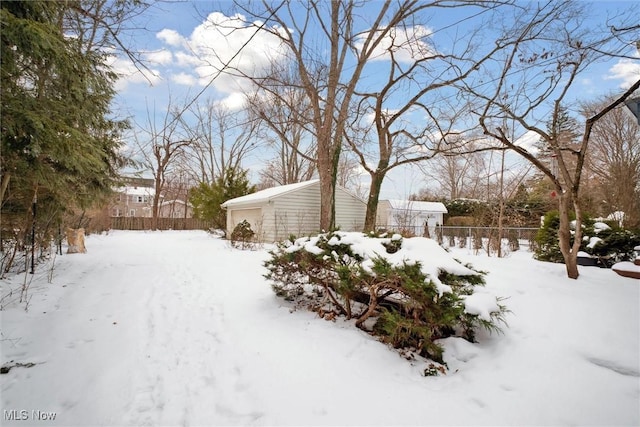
pixel 564 129
pixel 207 198
pixel 58 140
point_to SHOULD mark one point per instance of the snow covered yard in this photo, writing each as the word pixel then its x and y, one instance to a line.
pixel 176 328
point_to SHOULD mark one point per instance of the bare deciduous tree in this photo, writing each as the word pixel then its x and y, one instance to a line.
pixel 330 43
pixel 176 191
pixel 614 160
pixel 551 47
pixel 456 173
pixel 161 145
pixel 103 25
pixel 414 115
pixel 284 117
pixel 221 139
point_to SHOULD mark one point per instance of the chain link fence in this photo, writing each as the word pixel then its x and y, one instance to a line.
pixel 477 239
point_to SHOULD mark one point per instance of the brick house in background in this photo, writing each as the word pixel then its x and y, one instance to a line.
pixel 134 198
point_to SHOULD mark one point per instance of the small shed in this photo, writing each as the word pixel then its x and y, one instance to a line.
pixel 410 215
pixel 276 213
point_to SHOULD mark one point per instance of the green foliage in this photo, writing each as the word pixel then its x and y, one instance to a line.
pixel 614 244
pixel 56 132
pixel 400 331
pixel 398 303
pixel 464 207
pixel 59 142
pixel 207 198
pixel 563 130
pixel 242 236
pixel 527 205
pixel 547 246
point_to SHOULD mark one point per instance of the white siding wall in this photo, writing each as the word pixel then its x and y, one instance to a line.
pixel 350 211
pixel 295 213
pixel 383 214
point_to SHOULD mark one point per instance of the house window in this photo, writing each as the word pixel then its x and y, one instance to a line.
pixel 116 212
pixel 132 212
pixel 140 199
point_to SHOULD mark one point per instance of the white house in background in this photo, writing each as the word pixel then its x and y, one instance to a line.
pixel 410 215
pixel 276 213
pixel 133 200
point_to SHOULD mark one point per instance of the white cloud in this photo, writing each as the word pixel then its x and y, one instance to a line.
pixel 160 57
pixel 129 74
pixel 529 141
pixel 184 79
pixel 216 42
pixel 627 70
pixel 234 102
pixel 171 37
pixel 184 59
pixel 406 43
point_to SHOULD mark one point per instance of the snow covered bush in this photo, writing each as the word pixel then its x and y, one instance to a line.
pixel 602 242
pixel 408 292
pixel 610 245
pixel 242 236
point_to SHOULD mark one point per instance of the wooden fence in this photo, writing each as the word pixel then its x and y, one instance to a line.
pixel 137 223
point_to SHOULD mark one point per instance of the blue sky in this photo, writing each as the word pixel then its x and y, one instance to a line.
pixel 175 41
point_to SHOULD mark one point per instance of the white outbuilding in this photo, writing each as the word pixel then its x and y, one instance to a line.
pixel 276 213
pixel 410 215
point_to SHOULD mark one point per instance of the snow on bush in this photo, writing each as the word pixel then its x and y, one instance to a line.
pixel 607 245
pixel 407 292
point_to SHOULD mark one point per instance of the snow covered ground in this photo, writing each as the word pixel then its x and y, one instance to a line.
pixel 176 328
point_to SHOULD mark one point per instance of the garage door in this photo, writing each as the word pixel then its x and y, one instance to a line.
pixel 252 216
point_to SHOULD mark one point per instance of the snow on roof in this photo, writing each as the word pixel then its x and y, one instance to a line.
pixel 136 191
pixel 174 201
pixel 268 193
pixel 412 205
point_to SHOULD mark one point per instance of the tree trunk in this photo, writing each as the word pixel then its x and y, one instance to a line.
pixel 4 185
pixel 326 193
pixel 155 208
pixel 372 202
pixel 501 212
pixel 569 253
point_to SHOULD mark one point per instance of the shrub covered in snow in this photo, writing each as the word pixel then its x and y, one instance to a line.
pixel 611 245
pixel 408 292
pixel 242 236
pixel 602 242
